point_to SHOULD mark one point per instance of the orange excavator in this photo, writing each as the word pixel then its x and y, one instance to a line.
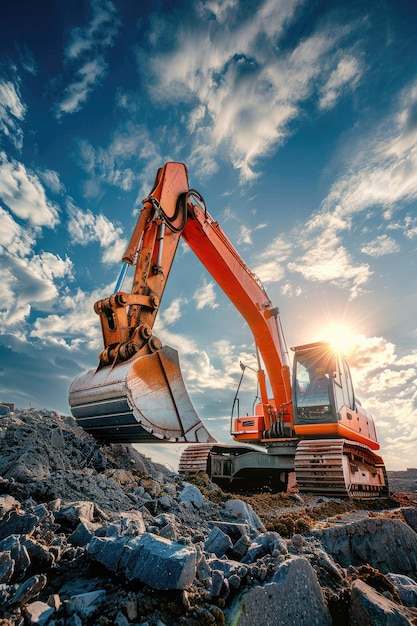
pixel 310 425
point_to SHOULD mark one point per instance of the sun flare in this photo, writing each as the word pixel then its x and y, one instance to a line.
pixel 340 336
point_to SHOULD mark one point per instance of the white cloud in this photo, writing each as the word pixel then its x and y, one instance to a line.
pixel 274 259
pixel 85 65
pixel 51 179
pixel 243 88
pixel 14 239
pixel 344 77
pixel 383 173
pixel 84 227
pixel 392 378
pixel 110 165
pixel 205 296
pixel 369 354
pixel 173 312
pixel 410 227
pixel 30 282
pixel 84 81
pixel 381 177
pixel 380 246
pixel 22 192
pixel 290 290
pixel 219 8
pixel 75 325
pixel 244 235
pixel 329 261
pixel 101 31
pixel 12 112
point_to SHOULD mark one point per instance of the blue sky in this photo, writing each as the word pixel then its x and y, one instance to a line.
pixel 298 123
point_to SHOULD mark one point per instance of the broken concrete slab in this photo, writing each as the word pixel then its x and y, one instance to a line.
pixel 155 561
pixel 160 563
pixel 389 545
pixel 293 597
pixel 406 587
pixel 217 542
pixel 86 604
pixel 367 606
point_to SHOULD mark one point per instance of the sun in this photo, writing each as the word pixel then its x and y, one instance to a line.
pixel 340 335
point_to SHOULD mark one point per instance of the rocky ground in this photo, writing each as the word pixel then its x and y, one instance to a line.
pixel 101 535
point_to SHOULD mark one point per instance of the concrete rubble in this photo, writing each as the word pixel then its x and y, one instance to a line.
pixel 100 535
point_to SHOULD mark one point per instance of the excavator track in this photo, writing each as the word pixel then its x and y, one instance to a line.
pixel 337 467
pixel 195 458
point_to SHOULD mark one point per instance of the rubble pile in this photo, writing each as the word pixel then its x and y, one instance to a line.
pixel 101 535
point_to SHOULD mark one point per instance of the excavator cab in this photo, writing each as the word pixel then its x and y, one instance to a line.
pixel 325 404
pixel 315 367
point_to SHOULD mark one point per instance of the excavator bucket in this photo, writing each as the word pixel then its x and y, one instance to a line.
pixel 143 400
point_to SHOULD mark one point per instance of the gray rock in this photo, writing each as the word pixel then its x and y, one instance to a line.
pixel 121 620
pixel 18 554
pixel 217 542
pixel 367 606
pixel 73 512
pixel 5 591
pixel 242 511
pixel 203 571
pixel 190 493
pixel 297 498
pixel 241 547
pixel 38 613
pixel 15 523
pixel 132 523
pixel 293 597
pixel 57 438
pixel 39 555
pixel 40 511
pixel 235 530
pixel 8 503
pixel 83 533
pixel 129 606
pixel 217 587
pixel 386 544
pixel 73 620
pixel 28 590
pixel 153 560
pixel 6 567
pixel 169 531
pixel 322 559
pixel 108 551
pixel 86 604
pixel 227 566
pixel 267 543
pixel 410 516
pixel 406 587
pixel 165 503
pixel 160 563
pixel 234 581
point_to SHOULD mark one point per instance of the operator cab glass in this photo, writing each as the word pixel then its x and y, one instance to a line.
pixel 315 371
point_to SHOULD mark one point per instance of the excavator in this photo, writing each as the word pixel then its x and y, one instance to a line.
pixel 307 425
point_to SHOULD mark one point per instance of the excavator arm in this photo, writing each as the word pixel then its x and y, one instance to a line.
pixel 137 394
